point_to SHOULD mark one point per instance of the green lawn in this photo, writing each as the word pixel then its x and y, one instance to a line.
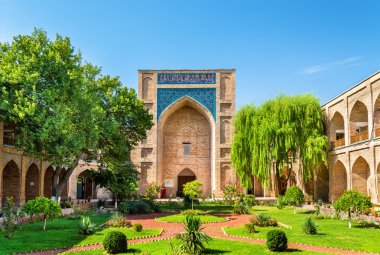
pixel 332 233
pixel 58 234
pixel 181 218
pixel 216 246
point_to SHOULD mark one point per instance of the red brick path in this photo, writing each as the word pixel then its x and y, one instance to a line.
pixel 212 229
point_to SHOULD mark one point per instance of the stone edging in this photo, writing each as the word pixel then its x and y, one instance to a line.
pixel 203 222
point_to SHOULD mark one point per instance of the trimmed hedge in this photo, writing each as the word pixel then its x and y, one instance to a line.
pixel 115 242
pixel 277 240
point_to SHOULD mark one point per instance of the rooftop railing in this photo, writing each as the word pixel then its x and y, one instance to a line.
pixel 359 137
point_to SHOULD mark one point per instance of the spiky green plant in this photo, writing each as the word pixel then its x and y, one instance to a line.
pixel 193 238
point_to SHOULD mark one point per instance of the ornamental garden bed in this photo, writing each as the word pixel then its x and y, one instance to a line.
pixel 179 218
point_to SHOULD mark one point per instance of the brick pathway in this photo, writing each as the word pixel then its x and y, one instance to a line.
pixel 212 229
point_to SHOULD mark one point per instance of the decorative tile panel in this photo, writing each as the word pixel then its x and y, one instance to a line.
pixel 204 96
pixel 186 78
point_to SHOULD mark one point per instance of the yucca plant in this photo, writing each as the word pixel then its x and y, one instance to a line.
pixel 193 239
pixel 86 227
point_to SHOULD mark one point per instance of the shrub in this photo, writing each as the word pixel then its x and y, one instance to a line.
pixel 240 208
pixel 86 227
pixel 152 191
pixel 249 200
pixel 294 197
pixel 115 242
pixel 134 207
pixel 49 209
pixel 263 220
pixel 250 228
pixel 122 223
pixel 193 239
pixel 116 217
pixel 352 202
pixel 280 202
pixel 193 212
pixel 309 227
pixel 138 227
pixel 9 213
pixel 276 240
pixel 229 192
pixel 74 217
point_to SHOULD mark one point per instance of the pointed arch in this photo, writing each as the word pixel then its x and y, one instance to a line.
pixel 376 117
pixel 360 175
pixel 358 122
pixel 224 87
pixel 225 132
pixel 322 183
pixel 226 175
pixel 11 178
pixel 48 182
pixel 32 182
pixel 147 88
pixel 337 132
pixel 339 180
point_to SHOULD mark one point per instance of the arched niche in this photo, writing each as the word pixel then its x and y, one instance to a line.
pixel 376 117
pixel 32 182
pixel 339 180
pixel 11 182
pixel 360 175
pixel 48 182
pixel 322 183
pixel 337 132
pixel 225 132
pixel 147 88
pixel 185 176
pixel 358 122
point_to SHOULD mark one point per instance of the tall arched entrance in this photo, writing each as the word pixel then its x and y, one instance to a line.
pixel 32 183
pixel 11 182
pixel 185 176
pixel 339 181
pixel 86 188
pixel 185 131
pixel 48 182
pixel 360 175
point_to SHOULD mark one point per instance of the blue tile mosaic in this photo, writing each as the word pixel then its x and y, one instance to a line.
pixel 186 78
pixel 204 96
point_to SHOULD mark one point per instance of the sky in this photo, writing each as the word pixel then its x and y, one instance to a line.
pixel 278 47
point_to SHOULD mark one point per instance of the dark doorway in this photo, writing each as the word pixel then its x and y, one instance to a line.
pixel 185 176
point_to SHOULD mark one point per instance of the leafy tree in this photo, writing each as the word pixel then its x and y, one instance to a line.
pixel 269 139
pixel 230 191
pixel 191 189
pixel 42 206
pixel 65 110
pixel 193 239
pixel 120 179
pixel 294 197
pixel 9 225
pixel 352 202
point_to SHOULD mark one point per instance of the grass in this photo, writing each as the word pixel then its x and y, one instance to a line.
pixel 216 246
pixel 180 218
pixel 332 233
pixel 210 208
pixel 58 234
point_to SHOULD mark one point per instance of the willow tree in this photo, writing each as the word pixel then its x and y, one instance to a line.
pixel 269 139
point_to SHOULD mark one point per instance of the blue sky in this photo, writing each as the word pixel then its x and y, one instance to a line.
pixel 277 47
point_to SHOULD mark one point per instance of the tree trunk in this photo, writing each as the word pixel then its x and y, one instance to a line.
pixel 44 223
pixel 59 184
pixel 349 219
pixel 192 204
pixel 116 202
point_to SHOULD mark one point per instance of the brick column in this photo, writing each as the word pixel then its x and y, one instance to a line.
pixel 22 180
pixel 1 162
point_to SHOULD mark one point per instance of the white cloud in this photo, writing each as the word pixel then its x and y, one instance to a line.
pixel 347 62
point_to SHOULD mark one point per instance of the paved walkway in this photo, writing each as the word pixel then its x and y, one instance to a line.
pixel 212 229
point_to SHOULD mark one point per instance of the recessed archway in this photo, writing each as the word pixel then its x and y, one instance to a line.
pixel 378 183
pixel 358 122
pixel 360 175
pixel 32 182
pixel 337 133
pixel 376 117
pixel 48 182
pixel 322 183
pixel 11 182
pixel 185 131
pixel 64 193
pixel 86 188
pixel 339 180
pixel 185 176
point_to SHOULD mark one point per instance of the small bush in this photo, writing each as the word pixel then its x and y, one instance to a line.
pixel 138 227
pixel 276 240
pixel 134 207
pixel 309 227
pixel 122 223
pixel 263 220
pixel 193 212
pixel 86 227
pixel 250 228
pixel 74 217
pixel 294 197
pixel 9 226
pixel 249 200
pixel 240 208
pixel 115 242
pixel 280 202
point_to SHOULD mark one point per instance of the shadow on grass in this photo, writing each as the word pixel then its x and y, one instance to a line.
pixel 292 250
pixel 212 251
pixel 306 212
pixel 133 250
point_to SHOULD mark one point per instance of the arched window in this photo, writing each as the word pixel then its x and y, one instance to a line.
pixel 337 133
pixel 358 123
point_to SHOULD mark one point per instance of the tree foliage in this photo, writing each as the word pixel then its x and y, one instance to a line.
pixel 352 202
pixel 276 134
pixel 63 109
pixel 43 206
pixel 191 189
pixel 9 225
pixel 294 197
